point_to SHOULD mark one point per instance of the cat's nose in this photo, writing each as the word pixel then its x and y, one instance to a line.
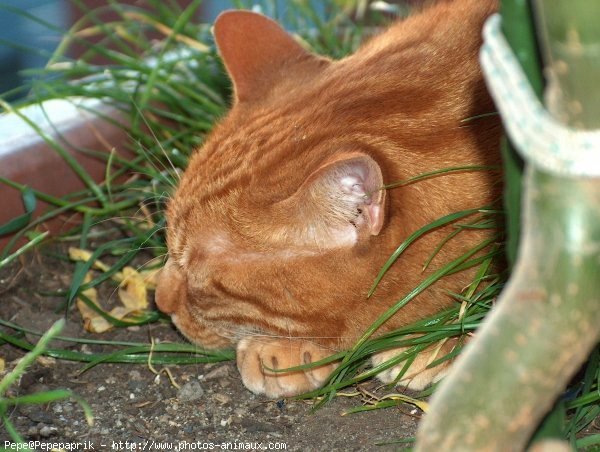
pixel 169 289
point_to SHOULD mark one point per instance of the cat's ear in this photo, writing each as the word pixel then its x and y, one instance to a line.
pixel 255 50
pixel 347 197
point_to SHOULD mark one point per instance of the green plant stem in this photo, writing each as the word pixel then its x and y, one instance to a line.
pixel 518 28
pixel 572 54
pixel 512 353
pixel 547 320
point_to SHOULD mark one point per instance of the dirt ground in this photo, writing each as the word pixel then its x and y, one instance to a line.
pixel 136 410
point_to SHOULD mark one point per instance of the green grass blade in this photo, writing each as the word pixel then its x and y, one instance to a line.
pixel 441 172
pixel 29 202
pixel 33 242
pixel 40 397
pixel 30 357
pixel 14 435
pixel 447 219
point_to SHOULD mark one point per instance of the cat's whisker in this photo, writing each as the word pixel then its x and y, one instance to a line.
pixel 158 200
pixel 161 175
pixel 160 258
pixel 162 171
pixel 175 170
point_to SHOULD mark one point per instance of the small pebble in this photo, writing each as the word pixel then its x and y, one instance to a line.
pixel 225 422
pixel 222 398
pixel 190 392
pixel 47 431
pixel 240 412
pixel 218 372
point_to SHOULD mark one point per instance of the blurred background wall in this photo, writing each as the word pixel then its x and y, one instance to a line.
pixel 30 30
pixel 27 43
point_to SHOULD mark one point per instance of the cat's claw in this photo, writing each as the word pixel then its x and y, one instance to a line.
pixel 258 358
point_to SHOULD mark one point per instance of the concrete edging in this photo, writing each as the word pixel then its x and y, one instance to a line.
pixel 29 160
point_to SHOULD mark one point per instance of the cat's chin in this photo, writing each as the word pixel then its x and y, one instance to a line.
pixel 200 336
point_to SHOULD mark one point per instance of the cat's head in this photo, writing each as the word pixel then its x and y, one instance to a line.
pixel 280 224
pixel 266 218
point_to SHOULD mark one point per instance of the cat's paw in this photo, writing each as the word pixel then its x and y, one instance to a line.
pixel 256 357
pixel 417 376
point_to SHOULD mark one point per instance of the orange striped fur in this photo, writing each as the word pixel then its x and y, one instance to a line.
pixel 279 227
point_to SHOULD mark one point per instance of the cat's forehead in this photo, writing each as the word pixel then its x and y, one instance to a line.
pixel 256 160
pixel 199 243
pixel 194 232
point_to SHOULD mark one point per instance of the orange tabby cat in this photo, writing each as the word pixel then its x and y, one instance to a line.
pixel 279 225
